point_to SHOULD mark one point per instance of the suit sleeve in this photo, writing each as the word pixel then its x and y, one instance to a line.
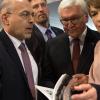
pixel 47 69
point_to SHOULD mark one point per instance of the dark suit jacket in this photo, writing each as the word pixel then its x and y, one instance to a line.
pixel 37 42
pixel 57 58
pixel 13 81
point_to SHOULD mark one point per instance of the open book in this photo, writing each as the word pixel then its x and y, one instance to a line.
pixel 54 94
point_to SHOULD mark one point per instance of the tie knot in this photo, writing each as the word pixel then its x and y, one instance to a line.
pixel 48 33
pixel 22 47
pixel 76 40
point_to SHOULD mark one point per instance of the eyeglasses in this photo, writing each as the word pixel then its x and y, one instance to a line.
pixel 24 14
pixel 74 20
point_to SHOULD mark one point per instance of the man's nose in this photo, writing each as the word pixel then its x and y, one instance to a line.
pixel 40 8
pixel 31 19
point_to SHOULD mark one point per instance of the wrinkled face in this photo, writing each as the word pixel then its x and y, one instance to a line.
pixel 19 21
pixel 40 10
pixel 95 15
pixel 73 20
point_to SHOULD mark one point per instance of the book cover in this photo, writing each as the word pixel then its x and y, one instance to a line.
pixel 56 93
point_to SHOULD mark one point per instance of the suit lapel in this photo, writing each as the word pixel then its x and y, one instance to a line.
pixel 12 53
pixel 55 30
pixel 67 55
pixel 87 52
pixel 38 33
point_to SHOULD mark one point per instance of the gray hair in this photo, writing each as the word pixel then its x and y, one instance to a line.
pixel 67 3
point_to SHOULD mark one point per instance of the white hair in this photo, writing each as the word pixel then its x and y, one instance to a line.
pixel 67 3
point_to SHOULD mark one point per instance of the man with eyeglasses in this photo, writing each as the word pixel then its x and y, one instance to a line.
pixel 61 54
pixel 18 69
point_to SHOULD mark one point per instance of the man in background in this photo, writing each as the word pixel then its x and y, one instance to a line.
pixel 42 30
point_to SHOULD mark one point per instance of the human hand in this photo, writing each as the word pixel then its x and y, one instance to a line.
pixel 89 92
pixel 76 80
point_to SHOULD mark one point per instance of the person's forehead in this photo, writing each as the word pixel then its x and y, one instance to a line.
pixel 37 1
pixel 22 6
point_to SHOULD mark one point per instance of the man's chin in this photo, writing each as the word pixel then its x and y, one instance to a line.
pixel 27 36
pixel 42 21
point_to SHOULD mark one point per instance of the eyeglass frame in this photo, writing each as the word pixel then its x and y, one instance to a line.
pixel 24 14
pixel 75 20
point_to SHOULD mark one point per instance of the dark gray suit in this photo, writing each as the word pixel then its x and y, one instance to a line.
pixel 37 42
pixel 58 57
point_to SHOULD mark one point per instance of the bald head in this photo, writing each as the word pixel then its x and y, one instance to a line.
pixel 17 18
pixel 8 4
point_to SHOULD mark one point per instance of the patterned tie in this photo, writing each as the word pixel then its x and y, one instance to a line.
pixel 48 33
pixel 28 69
pixel 75 54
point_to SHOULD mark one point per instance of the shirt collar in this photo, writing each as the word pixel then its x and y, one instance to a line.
pixel 42 29
pixel 82 37
pixel 15 41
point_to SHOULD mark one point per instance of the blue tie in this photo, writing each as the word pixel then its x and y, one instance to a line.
pixel 48 33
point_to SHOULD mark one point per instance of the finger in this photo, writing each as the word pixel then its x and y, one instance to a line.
pixel 83 87
pixel 88 95
pixel 78 75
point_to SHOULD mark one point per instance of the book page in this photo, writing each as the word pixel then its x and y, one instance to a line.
pixel 57 92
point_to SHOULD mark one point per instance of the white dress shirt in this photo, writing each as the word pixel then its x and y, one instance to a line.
pixel 43 30
pixel 81 38
pixel 17 43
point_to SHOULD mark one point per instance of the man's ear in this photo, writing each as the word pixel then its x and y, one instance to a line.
pixel 5 18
